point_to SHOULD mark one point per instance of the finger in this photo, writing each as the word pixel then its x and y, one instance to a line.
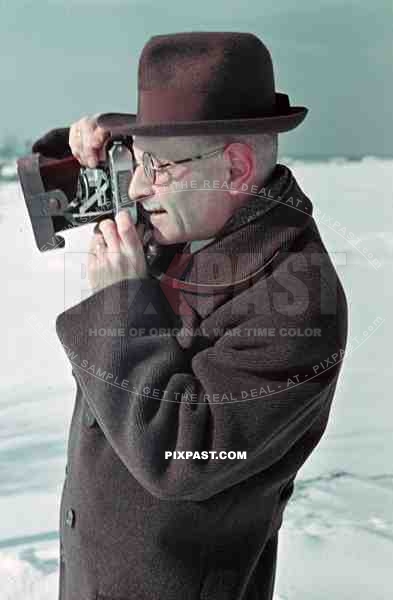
pixel 111 236
pixel 99 137
pixel 87 141
pixel 96 137
pixel 81 141
pixel 97 228
pixel 75 140
pixel 91 264
pixel 97 244
pixel 101 153
pixel 129 234
pixel 94 263
pixel 100 249
pixel 89 153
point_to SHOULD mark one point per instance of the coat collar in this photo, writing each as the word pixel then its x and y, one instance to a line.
pixel 246 249
pixel 268 223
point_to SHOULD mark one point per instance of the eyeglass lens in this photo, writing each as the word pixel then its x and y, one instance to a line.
pixel 148 166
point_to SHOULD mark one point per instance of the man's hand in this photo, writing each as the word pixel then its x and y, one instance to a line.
pixel 87 141
pixel 117 252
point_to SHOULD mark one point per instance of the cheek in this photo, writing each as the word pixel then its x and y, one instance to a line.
pixel 199 206
pixel 218 206
pixel 182 203
pixel 206 206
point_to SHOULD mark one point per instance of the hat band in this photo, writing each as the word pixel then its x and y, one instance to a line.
pixel 176 105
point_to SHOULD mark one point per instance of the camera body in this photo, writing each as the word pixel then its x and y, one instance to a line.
pixel 61 194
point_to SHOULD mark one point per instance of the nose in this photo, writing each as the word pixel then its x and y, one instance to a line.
pixel 140 187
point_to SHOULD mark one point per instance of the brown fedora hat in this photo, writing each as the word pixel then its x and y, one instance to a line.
pixel 200 83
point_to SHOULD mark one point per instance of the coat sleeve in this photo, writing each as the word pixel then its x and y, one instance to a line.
pixel 150 396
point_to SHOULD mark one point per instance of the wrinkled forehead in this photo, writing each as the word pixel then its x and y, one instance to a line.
pixel 164 147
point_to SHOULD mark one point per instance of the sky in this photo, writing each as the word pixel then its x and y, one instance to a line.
pixel 61 60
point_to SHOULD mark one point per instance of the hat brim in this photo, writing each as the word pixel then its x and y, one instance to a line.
pixel 125 124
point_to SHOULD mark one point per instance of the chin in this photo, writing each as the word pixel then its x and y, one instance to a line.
pixel 164 240
pixel 171 236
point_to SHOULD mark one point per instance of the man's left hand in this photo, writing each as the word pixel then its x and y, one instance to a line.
pixel 117 252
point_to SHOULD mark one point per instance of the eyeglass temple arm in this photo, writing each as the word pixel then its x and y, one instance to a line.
pixel 184 160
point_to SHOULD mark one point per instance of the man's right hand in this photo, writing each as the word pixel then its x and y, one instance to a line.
pixel 87 141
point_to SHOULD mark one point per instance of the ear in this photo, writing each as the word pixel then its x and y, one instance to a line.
pixel 242 166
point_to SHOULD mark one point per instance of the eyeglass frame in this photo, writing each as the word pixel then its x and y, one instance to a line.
pixel 149 155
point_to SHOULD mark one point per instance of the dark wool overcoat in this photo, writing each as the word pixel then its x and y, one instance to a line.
pixel 237 347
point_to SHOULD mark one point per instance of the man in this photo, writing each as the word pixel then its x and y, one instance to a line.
pixel 236 348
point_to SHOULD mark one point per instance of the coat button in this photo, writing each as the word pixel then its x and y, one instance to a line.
pixel 70 517
pixel 88 416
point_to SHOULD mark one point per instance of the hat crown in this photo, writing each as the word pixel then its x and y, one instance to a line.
pixel 200 57
pixel 206 82
pixel 222 75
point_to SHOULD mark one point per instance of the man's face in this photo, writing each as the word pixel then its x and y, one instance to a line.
pixel 192 210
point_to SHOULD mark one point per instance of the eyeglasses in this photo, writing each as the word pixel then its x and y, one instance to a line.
pixel 149 161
